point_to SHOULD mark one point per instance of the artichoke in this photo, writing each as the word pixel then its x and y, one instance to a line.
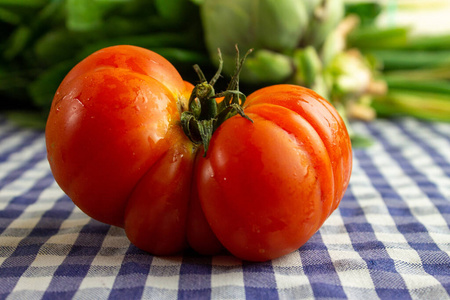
pixel 273 28
pixel 295 41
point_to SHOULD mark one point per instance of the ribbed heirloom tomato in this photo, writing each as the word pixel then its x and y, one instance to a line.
pixel 126 141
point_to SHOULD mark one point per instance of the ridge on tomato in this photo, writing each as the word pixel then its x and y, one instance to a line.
pixel 134 145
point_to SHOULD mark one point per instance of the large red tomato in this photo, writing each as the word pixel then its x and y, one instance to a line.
pixel 117 145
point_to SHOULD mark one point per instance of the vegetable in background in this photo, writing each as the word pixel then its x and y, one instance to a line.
pixel 416 69
pixel 312 43
pixel 256 176
pixel 273 28
pixel 296 42
pixel 43 39
pixel 270 27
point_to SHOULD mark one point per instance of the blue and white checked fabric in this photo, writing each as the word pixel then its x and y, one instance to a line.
pixel 389 239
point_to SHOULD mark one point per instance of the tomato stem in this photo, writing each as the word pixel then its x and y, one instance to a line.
pixel 205 115
pixel 219 69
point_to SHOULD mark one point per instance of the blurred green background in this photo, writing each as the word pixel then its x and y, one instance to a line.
pixel 371 59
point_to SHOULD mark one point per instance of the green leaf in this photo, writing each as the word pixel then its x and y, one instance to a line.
pixel 25 3
pixel 85 15
pixel 175 11
pixel 42 90
pixel 57 46
pixel 17 42
pixel 367 11
pixel 9 16
pixel 198 2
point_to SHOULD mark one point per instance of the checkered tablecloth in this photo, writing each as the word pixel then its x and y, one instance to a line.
pixel 389 239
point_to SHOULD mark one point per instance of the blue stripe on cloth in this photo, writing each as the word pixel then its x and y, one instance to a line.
pixel 69 275
pixel 14 266
pixel 434 128
pixel 8 133
pixel 259 280
pixel 421 180
pixel 227 277
pixel 15 138
pixel 381 266
pixel 23 165
pixel 195 277
pixel 6 126
pixel 413 225
pixel 17 204
pixel 389 238
pixel 132 276
pixel 319 268
pixel 435 155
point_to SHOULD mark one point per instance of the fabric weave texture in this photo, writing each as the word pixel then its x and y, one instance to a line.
pixel 389 238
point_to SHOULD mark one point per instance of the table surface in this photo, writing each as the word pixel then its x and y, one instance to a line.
pixel 389 239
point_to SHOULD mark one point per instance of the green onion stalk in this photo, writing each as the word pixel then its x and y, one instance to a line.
pixel 415 68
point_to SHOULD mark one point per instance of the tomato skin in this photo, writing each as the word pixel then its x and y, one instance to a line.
pixel 200 236
pixel 266 187
pixel 158 206
pixel 109 124
pixel 324 118
pixel 116 147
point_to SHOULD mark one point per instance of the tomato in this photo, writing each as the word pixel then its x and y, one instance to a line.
pixel 135 146
pixel 266 187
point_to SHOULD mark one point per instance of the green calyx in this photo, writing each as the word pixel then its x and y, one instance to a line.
pixel 205 115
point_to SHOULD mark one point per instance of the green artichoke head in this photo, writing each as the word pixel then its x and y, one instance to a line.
pixel 275 26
